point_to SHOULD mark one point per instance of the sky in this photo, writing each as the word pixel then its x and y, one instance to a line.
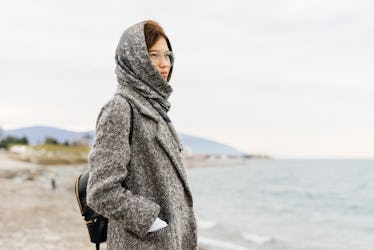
pixel 291 79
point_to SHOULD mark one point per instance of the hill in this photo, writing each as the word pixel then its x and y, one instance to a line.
pixel 192 144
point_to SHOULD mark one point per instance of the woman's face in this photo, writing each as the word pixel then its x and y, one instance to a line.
pixel 159 54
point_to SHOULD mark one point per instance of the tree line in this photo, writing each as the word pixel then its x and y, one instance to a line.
pixel 11 140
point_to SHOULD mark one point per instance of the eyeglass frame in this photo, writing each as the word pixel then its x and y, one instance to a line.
pixel 167 55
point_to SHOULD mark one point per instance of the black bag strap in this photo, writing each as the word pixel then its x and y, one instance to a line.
pixel 132 116
pixel 132 121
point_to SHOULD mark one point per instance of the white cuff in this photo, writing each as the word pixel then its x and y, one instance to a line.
pixel 157 225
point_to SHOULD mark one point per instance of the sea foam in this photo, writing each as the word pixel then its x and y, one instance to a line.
pixel 206 224
pixel 258 239
pixel 221 245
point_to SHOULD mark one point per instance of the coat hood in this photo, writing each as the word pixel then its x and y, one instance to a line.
pixel 135 69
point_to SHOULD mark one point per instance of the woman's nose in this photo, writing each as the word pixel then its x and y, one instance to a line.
pixel 164 62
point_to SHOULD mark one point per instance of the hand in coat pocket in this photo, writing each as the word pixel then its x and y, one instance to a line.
pixel 157 225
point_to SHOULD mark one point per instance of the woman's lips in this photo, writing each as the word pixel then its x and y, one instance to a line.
pixel 165 73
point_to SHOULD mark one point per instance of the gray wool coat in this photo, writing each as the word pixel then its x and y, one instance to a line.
pixel 152 171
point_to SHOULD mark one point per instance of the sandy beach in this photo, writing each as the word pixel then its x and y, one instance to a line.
pixel 35 216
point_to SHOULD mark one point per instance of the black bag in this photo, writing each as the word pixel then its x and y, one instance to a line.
pixel 97 224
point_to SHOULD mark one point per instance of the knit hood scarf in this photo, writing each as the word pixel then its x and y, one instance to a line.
pixel 135 70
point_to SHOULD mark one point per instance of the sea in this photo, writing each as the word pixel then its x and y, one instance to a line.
pixel 285 204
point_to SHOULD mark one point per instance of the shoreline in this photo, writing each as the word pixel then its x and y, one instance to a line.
pixel 33 215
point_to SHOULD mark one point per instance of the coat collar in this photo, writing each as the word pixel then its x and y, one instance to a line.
pixel 141 103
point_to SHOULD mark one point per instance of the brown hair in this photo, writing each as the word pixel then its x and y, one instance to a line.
pixel 152 32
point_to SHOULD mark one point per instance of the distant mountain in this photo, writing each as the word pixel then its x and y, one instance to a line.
pixel 192 144
pixel 200 145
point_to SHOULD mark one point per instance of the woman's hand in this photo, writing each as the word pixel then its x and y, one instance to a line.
pixel 157 225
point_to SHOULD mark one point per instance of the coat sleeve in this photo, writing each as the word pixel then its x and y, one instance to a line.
pixel 107 160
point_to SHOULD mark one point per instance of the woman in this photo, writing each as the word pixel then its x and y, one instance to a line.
pixel 141 187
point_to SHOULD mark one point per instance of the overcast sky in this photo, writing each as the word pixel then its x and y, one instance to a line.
pixel 285 78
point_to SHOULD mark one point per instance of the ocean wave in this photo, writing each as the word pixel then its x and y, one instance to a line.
pixel 206 224
pixel 258 239
pixel 219 244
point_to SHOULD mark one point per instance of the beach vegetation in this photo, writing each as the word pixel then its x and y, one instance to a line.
pixel 12 140
pixel 51 154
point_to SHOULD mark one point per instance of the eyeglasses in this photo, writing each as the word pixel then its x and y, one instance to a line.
pixel 157 56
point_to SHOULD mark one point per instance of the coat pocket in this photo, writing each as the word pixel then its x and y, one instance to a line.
pixel 163 215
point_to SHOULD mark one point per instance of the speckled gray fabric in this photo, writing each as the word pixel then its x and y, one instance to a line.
pixel 155 181
pixel 135 69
